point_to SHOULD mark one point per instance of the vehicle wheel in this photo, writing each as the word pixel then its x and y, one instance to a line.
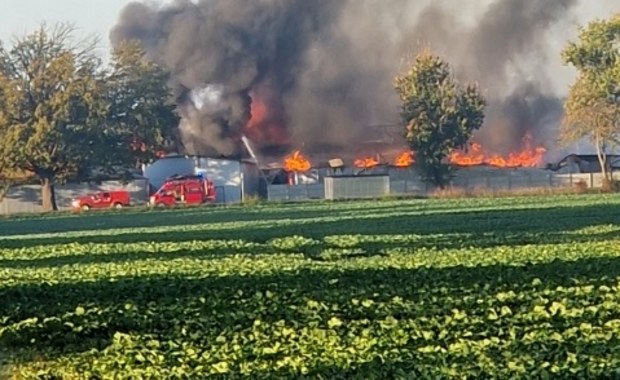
pixel 118 205
pixel 85 208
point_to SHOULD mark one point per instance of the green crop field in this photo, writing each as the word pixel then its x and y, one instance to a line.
pixel 464 288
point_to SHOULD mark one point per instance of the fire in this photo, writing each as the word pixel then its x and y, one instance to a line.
pixel 406 159
pixel 296 162
pixel 475 156
pixel 265 126
pixel 528 156
pixel 366 163
pixel 259 113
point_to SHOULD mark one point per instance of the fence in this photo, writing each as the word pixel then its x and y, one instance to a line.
pixel 27 198
pixel 408 182
pixel 280 193
pixel 499 179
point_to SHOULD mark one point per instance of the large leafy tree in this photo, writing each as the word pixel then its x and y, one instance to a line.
pixel 439 115
pixel 50 106
pixel 592 116
pixel 141 112
pixel 592 109
pixel 61 114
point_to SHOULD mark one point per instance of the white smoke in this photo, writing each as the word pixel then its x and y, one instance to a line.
pixel 210 96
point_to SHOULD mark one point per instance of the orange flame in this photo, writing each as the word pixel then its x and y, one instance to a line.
pixel 406 159
pixel 366 163
pixel 296 162
pixel 527 157
pixel 475 156
pixel 265 126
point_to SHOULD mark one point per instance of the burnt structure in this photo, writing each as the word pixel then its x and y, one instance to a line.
pixel 585 163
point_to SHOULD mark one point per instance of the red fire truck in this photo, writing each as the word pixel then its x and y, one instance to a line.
pixel 184 190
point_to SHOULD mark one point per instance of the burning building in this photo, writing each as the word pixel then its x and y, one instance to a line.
pixel 312 76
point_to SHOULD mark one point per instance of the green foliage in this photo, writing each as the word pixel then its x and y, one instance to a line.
pixel 597 55
pixel 439 115
pixel 50 104
pixel 593 106
pixel 141 114
pixel 478 288
pixel 61 114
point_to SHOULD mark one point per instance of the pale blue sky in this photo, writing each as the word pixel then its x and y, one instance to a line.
pixel 18 17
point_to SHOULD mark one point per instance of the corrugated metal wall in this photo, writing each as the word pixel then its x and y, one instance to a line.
pixel 375 186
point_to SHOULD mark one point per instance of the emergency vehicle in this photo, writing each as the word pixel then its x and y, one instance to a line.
pixel 184 190
pixel 105 199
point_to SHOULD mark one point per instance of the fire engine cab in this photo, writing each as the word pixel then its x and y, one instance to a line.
pixel 184 190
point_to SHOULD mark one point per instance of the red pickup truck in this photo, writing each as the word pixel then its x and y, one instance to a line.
pixel 104 199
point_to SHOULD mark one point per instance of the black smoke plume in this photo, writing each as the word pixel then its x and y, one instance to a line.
pixel 324 69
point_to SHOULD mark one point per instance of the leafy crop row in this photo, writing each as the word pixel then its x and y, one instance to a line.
pixel 409 300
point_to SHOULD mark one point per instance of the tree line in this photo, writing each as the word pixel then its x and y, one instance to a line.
pixel 63 112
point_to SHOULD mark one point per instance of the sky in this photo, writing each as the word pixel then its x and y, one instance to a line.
pixel 90 17
pixel 97 17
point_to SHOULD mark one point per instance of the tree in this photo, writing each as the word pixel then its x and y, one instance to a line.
pixel 439 115
pixel 592 109
pixel 588 115
pixel 141 114
pixel 50 106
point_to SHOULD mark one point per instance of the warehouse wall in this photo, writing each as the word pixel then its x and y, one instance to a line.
pixel 233 179
pixel 226 176
pixel 352 187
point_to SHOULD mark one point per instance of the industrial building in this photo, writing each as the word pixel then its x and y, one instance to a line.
pixel 235 180
pixel 238 180
pixel 347 183
pixel 584 163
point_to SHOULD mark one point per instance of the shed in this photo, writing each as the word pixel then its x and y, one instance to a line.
pixel 584 163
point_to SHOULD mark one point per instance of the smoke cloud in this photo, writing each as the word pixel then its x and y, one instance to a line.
pixel 318 74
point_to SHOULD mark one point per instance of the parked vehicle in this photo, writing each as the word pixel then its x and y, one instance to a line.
pixel 184 190
pixel 105 199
